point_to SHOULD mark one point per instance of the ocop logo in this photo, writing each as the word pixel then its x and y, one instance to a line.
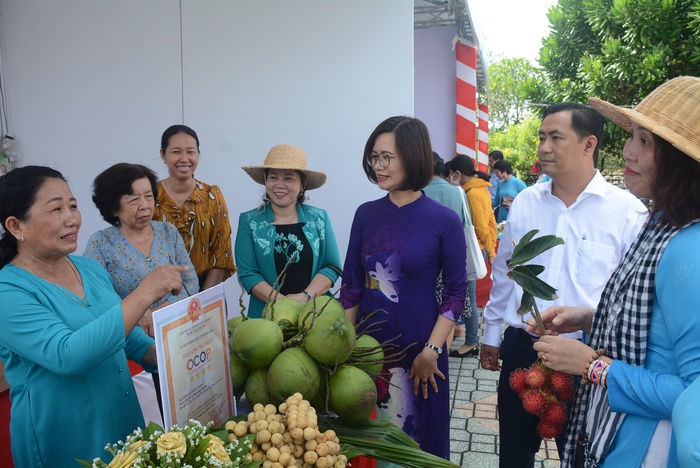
pixel 199 359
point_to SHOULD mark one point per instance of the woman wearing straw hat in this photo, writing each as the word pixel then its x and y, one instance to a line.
pixel 284 232
pixel 399 244
pixel 643 347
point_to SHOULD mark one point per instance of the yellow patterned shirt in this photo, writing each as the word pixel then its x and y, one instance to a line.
pixel 204 225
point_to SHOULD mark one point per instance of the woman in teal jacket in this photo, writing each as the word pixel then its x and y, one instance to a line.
pixel 283 232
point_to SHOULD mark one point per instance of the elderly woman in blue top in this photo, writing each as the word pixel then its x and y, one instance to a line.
pixel 284 231
pixel 134 245
pixel 643 347
pixel 65 335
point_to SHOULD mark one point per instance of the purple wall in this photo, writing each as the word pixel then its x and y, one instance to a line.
pixel 434 86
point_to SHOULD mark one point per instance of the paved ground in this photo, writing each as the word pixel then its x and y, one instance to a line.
pixel 474 435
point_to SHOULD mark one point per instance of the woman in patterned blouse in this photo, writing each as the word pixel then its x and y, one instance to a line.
pixel 197 210
pixel 135 245
pixel 285 232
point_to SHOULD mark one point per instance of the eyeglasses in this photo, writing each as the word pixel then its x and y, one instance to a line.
pixel 384 159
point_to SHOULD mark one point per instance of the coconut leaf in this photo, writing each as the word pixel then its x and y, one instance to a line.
pixel 532 284
pixel 526 303
pixel 528 251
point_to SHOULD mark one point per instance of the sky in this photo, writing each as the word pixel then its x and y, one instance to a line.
pixel 510 28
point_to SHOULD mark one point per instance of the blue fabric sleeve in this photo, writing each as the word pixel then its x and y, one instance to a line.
pixel 37 333
pixel 329 256
pixel 674 345
pixel 686 425
pixel 137 344
pixel 248 270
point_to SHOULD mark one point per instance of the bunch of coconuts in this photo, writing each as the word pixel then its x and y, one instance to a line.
pixel 311 349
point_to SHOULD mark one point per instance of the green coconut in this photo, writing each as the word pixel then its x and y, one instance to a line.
pixel 257 342
pixel 293 370
pixel 319 403
pixel 256 388
pixel 368 355
pixel 231 325
pixel 285 312
pixel 239 372
pixel 352 394
pixel 318 305
pixel 331 338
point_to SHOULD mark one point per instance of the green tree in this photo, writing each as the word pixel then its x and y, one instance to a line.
pixel 507 102
pixel 519 144
pixel 617 50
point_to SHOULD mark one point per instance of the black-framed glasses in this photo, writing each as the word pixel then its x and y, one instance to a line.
pixel 384 159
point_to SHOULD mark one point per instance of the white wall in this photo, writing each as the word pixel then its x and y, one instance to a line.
pixel 92 83
pixel 436 87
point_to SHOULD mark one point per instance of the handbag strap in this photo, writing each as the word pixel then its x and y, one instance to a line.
pixel 465 208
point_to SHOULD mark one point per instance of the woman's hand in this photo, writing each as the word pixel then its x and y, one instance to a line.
pixel 299 297
pixel 563 354
pixel 159 282
pixel 424 370
pixel 146 322
pixel 162 281
pixel 563 319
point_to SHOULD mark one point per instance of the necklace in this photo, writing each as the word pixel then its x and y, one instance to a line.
pixel 83 302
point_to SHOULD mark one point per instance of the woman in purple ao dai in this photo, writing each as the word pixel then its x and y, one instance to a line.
pixel 398 246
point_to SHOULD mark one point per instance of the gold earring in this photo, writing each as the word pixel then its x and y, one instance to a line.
pixel 21 238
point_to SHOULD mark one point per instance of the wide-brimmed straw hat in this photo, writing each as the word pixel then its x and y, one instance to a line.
pixel 671 111
pixel 286 157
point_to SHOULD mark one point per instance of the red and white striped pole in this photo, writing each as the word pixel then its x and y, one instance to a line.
pixel 483 153
pixel 466 98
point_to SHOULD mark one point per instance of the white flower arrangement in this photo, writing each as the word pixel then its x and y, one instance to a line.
pixel 194 446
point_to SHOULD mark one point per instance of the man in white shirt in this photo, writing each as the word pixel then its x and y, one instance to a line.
pixel 598 223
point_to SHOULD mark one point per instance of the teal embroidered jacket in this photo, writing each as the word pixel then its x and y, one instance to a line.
pixel 255 248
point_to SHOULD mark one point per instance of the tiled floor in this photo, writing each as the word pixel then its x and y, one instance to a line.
pixel 474 423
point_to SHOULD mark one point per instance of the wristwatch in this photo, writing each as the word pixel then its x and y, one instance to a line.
pixel 434 348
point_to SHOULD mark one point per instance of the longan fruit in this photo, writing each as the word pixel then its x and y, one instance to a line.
pixel 310 445
pixel 310 433
pixel 240 430
pixel 310 457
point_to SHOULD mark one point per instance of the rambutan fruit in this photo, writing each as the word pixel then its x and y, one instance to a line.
pixel 555 413
pixel 518 380
pixel 548 430
pixel 563 385
pixel 534 401
pixel 536 376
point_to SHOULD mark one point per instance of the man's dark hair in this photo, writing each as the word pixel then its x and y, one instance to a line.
pixel 584 121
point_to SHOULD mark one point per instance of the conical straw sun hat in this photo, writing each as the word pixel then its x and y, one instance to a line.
pixel 286 157
pixel 671 111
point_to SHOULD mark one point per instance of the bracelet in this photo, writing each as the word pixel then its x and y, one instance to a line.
pixel 586 370
pixel 307 294
pixel 598 368
pixel 604 377
pixel 434 348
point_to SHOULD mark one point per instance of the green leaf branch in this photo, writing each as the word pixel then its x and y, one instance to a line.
pixel 526 276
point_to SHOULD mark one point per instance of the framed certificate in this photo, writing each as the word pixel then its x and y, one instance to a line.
pixel 193 359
